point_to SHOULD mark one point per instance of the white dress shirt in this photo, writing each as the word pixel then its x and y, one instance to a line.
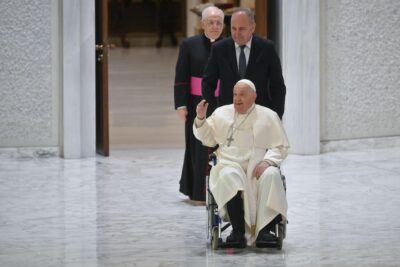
pixel 246 52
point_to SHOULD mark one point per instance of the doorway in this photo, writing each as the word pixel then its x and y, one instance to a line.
pixel 141 74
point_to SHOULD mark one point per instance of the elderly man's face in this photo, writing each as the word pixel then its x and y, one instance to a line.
pixel 241 28
pixel 243 97
pixel 213 25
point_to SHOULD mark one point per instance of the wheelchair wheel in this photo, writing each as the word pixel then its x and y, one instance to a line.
pixel 214 238
pixel 209 221
pixel 284 230
pixel 280 236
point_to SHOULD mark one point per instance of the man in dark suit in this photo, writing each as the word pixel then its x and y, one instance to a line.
pixel 245 56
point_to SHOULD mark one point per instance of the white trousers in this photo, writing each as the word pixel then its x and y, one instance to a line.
pixel 264 198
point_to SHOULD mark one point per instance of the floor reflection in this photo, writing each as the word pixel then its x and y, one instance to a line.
pixel 126 211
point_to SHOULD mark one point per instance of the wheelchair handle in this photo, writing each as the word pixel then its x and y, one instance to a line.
pixel 212 159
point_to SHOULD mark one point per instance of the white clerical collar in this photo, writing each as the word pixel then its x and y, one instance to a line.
pixel 248 111
pixel 248 44
pixel 211 40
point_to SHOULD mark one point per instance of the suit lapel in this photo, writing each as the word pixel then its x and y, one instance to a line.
pixel 255 54
pixel 232 57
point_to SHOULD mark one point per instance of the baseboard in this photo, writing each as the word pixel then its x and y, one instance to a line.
pixel 29 152
pixel 360 144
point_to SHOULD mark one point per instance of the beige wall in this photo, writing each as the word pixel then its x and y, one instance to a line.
pixel 29 104
pixel 360 44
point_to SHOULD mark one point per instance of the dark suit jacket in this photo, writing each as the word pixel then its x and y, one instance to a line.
pixel 263 69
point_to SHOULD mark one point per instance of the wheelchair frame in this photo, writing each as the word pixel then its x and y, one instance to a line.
pixel 215 226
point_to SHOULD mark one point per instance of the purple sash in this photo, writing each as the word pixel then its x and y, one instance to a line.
pixel 195 86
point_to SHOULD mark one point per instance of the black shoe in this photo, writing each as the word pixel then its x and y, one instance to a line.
pixel 236 240
pixel 266 239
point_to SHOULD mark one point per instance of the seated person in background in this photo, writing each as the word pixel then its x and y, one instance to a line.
pixel 246 181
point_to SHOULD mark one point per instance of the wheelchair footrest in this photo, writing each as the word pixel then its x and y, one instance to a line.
pixel 232 245
pixel 273 244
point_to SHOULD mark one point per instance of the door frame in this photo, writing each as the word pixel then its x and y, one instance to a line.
pixel 261 17
pixel 102 99
pixel 76 39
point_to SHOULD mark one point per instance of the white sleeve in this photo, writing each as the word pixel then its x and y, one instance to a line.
pixel 276 155
pixel 203 131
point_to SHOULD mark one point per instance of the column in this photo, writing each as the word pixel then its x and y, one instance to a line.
pixel 78 128
pixel 301 70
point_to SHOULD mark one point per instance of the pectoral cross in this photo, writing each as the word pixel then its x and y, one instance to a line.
pixel 230 139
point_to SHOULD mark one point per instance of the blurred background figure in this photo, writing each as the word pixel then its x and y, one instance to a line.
pixel 119 20
pixel 165 22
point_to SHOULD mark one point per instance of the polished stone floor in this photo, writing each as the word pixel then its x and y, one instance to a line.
pixel 125 210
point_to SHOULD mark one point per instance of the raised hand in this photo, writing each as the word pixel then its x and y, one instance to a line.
pixel 201 109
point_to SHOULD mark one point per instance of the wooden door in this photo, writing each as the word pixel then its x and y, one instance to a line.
pixel 261 13
pixel 102 47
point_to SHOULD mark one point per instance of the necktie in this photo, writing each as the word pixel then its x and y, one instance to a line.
pixel 242 62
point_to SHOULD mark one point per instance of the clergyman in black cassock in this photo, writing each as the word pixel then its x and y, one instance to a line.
pixel 193 55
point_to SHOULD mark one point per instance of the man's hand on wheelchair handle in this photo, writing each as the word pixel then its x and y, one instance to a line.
pixel 260 168
pixel 201 109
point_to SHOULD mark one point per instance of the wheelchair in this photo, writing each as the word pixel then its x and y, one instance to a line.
pixel 216 226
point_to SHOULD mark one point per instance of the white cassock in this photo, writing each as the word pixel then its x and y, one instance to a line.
pixel 255 136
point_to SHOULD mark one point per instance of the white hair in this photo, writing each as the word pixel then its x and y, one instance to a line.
pixel 208 10
pixel 248 83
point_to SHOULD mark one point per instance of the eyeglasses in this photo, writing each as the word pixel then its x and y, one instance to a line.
pixel 214 23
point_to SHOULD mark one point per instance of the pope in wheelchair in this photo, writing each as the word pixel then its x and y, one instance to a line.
pixel 246 182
